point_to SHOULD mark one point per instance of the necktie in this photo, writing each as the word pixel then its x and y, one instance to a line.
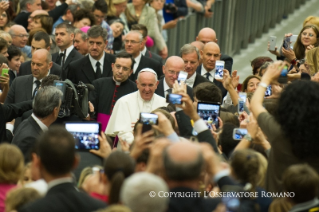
pixel 38 83
pixel 207 75
pixel 169 91
pixel 98 73
pixel 59 59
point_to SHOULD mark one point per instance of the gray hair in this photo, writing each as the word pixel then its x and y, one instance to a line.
pixel 183 171
pixel 23 3
pixel 68 27
pixel 46 100
pixel 140 35
pixel 147 70
pixel 187 49
pixel 135 193
pixel 84 36
pixel 97 31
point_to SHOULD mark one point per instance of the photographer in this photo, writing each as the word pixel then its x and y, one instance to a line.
pixel 174 9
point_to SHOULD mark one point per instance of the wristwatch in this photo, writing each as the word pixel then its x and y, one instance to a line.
pixel 248 137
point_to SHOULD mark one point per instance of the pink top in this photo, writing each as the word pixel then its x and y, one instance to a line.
pixel 4 188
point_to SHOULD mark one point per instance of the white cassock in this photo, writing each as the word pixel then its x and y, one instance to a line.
pixel 127 109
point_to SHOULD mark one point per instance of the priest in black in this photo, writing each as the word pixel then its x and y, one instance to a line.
pixel 109 89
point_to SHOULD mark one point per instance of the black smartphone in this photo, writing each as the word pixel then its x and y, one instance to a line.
pixel 283 78
pixel 86 134
pixel 268 91
pixel 174 99
pixel 209 112
pixel 148 119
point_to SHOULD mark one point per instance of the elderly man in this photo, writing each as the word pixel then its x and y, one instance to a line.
pixel 80 42
pixel 19 39
pixel 109 89
pixel 46 107
pixel 191 56
pixel 133 45
pixel 171 70
pixel 210 54
pixel 209 35
pixel 97 63
pixel 128 108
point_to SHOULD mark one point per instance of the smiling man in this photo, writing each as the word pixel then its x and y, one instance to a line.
pixel 109 89
pixel 19 38
pixel 128 108
pixel 97 63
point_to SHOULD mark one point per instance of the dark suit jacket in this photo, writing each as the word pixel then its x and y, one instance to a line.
pixel 82 70
pixel 73 56
pixel 26 136
pixel 12 76
pixel 160 90
pixel 199 79
pixel 153 56
pixel 20 90
pixel 146 62
pixel 9 112
pixel 65 197
pixel 217 83
pixel 228 62
pixel 25 69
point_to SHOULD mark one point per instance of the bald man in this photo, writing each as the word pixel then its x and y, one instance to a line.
pixel 206 35
pixel 210 54
pixel 19 39
pixel 173 66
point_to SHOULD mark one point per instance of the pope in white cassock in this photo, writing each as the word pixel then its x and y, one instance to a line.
pixel 128 108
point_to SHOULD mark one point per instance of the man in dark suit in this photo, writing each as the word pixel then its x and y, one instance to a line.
pixel 210 54
pixel 41 40
pixel 64 36
pixel 190 55
pixel 46 107
pixel 145 52
pixel 171 69
pixel 206 35
pixel 133 44
pixel 56 157
pixel 97 63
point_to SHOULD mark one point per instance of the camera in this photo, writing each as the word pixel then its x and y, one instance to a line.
pixel 170 7
pixel 74 99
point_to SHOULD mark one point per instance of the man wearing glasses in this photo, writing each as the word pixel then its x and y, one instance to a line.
pixel 133 45
pixel 109 89
pixel 97 63
pixel 19 39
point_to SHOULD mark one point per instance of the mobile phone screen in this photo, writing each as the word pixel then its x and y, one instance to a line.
pixel 239 133
pixel 243 96
pixel 209 112
pixel 148 119
pixel 174 99
pixel 219 73
pixel 182 76
pixel 85 134
pixel 240 106
pixel 268 91
pixel 286 43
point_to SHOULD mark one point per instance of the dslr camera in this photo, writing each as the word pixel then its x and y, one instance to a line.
pixel 170 7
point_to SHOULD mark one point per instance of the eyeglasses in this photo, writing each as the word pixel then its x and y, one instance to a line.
pixel 131 41
pixel 118 67
pixel 22 35
pixel 310 34
pixel 170 72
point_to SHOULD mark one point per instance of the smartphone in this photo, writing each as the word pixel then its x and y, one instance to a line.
pixel 174 99
pixel 4 71
pixel 283 79
pixel 268 91
pixel 148 119
pixel 209 112
pixel 286 43
pixel 240 106
pixel 182 76
pixel 86 134
pixel 243 96
pixel 219 73
pixel 272 42
pixel 239 133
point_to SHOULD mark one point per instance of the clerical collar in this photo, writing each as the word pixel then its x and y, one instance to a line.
pixel 116 82
pixel 144 51
pixel 67 52
pixel 190 81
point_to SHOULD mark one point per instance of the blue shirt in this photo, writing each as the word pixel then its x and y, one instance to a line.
pixel 27 50
pixel 59 21
pixel 168 16
pixel 110 37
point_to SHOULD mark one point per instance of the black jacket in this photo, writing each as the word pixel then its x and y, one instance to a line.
pixel 160 90
pixel 146 62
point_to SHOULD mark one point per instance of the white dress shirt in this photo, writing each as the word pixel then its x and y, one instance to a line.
pixel 35 79
pixel 166 87
pixel 67 52
pixel 190 81
pixel 137 62
pixel 212 73
pixel 94 61
pixel 144 51
pixel 40 123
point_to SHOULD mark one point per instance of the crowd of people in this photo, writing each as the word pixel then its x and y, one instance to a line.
pixel 88 64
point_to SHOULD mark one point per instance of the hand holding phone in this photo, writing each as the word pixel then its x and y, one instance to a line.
pixel 219 70
pixel 174 99
pixel 268 91
pixel 272 43
pixel 182 76
pixel 209 112
pixel 240 106
pixel 286 43
pixel 4 71
pixel 148 119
